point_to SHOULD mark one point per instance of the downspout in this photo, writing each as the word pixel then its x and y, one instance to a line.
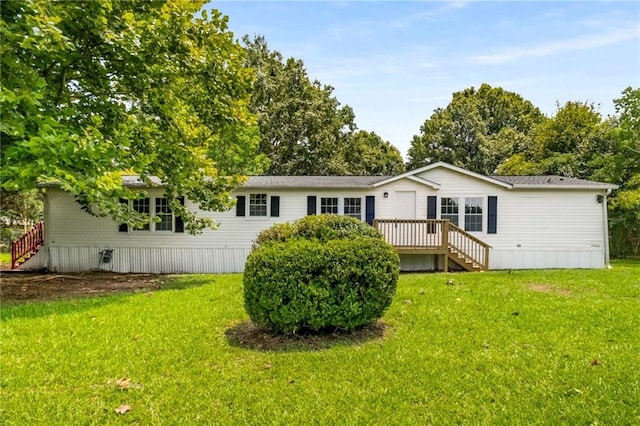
pixel 605 223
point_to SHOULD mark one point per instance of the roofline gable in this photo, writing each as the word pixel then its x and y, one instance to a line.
pixel 413 178
pixel 413 173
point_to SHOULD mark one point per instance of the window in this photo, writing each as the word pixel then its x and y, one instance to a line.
pixel 163 211
pixel 353 207
pixel 473 214
pixel 142 206
pixel 258 205
pixel 449 210
pixel 329 205
pixel 154 207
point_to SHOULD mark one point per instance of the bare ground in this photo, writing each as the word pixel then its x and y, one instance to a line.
pixel 23 286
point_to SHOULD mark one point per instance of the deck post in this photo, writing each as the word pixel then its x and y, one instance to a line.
pixel 445 244
pixel 486 259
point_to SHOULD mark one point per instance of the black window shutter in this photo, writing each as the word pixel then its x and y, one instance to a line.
pixel 431 207
pixel 179 221
pixel 123 226
pixel 432 203
pixel 275 206
pixel 492 219
pixel 370 209
pixel 240 205
pixel 311 204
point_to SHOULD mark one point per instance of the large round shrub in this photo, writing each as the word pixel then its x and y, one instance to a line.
pixel 319 272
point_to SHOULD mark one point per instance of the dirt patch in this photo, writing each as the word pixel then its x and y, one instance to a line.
pixel 22 286
pixel 547 288
pixel 248 335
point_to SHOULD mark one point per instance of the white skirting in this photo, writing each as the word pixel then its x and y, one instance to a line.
pixel 546 259
pixel 149 260
pixel 232 260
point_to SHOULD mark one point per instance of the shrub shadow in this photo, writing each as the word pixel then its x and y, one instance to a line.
pixel 248 335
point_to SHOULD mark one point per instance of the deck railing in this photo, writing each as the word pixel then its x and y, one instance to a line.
pixel 411 233
pixel 471 248
pixel 27 245
pixel 435 236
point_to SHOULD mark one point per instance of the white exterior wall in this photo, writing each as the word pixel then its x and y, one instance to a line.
pixel 73 239
pixel 535 229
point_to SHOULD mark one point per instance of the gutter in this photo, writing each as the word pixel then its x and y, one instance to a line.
pixel 590 187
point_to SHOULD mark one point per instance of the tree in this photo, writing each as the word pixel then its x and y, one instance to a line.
pixel 478 130
pixel 566 142
pixel 22 208
pixel 629 108
pixel 303 128
pixel 94 89
pixel 369 154
pixel 623 167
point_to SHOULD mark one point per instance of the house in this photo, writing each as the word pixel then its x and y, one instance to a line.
pixel 439 217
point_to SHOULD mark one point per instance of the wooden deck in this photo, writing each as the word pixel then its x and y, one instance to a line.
pixel 439 237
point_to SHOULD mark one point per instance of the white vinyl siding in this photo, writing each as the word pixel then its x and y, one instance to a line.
pixel 529 236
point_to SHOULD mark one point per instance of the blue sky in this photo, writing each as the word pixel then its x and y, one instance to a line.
pixel 395 62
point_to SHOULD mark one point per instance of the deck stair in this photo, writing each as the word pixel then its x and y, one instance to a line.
pixel 440 237
pixel 27 245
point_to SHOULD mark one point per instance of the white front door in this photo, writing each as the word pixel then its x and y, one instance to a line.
pixel 404 205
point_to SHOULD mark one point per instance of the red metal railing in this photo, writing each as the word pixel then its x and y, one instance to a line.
pixel 27 245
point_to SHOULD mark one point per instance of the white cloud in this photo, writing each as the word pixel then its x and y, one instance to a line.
pixel 428 15
pixel 578 43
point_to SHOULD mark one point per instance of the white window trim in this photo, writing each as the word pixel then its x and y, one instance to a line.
pixel 340 204
pixel 173 219
pixel 247 208
pixel 152 226
pixel 461 199
pixel 319 206
pixel 362 207
pixel 482 214
pixel 457 199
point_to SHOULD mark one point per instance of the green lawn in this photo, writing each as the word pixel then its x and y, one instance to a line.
pixel 5 258
pixel 526 347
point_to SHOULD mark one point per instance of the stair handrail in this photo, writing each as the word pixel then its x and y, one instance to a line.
pixel 480 257
pixel 29 243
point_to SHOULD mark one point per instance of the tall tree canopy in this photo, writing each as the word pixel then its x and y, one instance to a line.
pixel 622 166
pixel 303 128
pixel 477 130
pixel 94 89
pixel 368 154
pixel 494 131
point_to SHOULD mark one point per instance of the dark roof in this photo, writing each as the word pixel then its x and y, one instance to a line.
pixel 312 181
pixel 546 181
pixel 346 182
pixel 135 181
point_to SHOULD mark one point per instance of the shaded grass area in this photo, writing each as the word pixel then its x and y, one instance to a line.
pixel 5 258
pixel 526 347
